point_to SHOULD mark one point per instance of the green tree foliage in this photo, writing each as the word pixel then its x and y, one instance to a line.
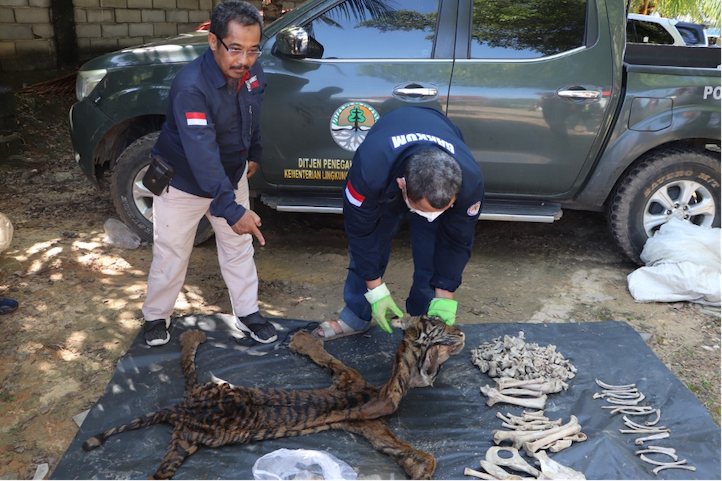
pixel 701 11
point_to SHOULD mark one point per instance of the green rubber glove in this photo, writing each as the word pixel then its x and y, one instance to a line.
pixel 383 307
pixel 445 309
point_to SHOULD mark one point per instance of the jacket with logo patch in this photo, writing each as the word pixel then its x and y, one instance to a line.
pixel 371 188
pixel 210 132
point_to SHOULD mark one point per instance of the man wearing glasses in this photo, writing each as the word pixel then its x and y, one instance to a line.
pixel 212 138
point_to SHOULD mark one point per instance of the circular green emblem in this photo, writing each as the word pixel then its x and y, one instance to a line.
pixel 350 123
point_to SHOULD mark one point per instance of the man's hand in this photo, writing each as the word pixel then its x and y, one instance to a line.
pixel 252 168
pixel 443 308
pixel 249 224
pixel 383 307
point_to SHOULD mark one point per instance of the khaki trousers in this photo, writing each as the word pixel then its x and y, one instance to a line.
pixel 175 219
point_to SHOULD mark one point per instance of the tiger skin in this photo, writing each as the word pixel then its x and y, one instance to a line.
pixel 215 414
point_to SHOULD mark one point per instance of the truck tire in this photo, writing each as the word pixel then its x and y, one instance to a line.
pixel 674 183
pixel 133 202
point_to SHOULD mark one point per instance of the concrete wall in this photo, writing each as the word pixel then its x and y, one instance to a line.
pixel 27 38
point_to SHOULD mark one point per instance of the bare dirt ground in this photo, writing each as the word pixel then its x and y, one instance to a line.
pixel 80 299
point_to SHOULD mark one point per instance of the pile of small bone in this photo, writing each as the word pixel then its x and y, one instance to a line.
pixel 525 372
pixel 535 433
pixel 625 399
pixel 513 357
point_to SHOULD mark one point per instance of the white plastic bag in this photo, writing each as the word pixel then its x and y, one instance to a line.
pixel 301 464
pixel 682 264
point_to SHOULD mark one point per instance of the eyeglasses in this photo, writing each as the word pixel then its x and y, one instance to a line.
pixel 238 51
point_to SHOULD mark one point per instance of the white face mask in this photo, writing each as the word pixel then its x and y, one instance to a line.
pixel 430 216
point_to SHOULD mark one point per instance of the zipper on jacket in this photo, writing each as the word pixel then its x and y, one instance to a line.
pixel 250 124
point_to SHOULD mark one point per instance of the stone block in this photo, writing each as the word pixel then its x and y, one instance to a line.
pixel 40 3
pixel 187 4
pixel 43 31
pixel 165 30
pixel 119 30
pixel 86 3
pixel 114 3
pixel 124 15
pixel 103 45
pixel 129 42
pixel 80 15
pixel 198 16
pixel 164 4
pixel 7 49
pixel 41 46
pixel 15 3
pixel 28 62
pixel 140 3
pixel 152 16
pixel 206 5
pixel 101 15
pixel 176 16
pixel 16 32
pixel 187 27
pixel 32 15
pixel 90 30
pixel 7 15
pixel 140 30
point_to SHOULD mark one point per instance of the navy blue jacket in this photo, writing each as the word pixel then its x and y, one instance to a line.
pixel 371 187
pixel 209 132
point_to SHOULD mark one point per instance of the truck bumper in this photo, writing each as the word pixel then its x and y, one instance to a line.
pixel 87 126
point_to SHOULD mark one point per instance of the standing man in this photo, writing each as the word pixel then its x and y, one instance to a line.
pixel 211 136
pixel 412 165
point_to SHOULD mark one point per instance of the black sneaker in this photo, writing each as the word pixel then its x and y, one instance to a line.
pixel 257 327
pixel 156 332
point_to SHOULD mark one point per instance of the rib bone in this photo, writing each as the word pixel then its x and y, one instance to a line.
pixel 669 452
pixel 655 420
pixel 515 461
pixel 673 466
pixel 609 386
pixel 641 441
pixel 494 396
pixel 660 463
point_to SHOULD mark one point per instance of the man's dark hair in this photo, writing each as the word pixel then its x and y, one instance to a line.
pixel 241 12
pixel 434 175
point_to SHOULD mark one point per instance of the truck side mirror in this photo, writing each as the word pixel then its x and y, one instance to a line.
pixel 295 42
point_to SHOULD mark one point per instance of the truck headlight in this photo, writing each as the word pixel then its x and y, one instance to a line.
pixel 86 82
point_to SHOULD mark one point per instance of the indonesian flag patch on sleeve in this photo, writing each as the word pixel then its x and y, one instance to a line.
pixel 354 197
pixel 196 118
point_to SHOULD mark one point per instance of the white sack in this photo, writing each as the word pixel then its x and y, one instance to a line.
pixel 682 264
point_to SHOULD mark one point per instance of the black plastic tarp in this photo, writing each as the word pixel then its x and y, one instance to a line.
pixel 450 420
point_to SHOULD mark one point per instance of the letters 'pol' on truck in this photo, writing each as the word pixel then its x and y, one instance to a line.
pixel 557 108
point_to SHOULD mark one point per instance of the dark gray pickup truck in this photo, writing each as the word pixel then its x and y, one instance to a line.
pixel 559 111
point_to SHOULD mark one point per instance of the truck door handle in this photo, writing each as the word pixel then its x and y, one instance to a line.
pixel 579 94
pixel 416 91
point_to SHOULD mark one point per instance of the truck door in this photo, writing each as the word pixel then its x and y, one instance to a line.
pixel 531 93
pixel 377 56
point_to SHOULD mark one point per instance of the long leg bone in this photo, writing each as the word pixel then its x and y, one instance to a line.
pixel 518 438
pixel 534 446
pixel 497 471
pixel 493 397
pixel 545 386
pixel 513 391
pixel 515 461
pixel 478 474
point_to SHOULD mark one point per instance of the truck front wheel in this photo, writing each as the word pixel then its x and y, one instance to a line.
pixel 133 202
pixel 675 183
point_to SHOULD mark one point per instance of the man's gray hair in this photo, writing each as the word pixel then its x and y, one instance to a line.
pixel 432 174
pixel 241 12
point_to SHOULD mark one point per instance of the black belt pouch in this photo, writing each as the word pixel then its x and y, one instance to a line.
pixel 158 176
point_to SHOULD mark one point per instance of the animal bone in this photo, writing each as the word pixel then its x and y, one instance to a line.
pixel 547 387
pixel 656 420
pixel 494 396
pixel 632 410
pixel 628 402
pixel 655 451
pixel 660 463
pixel 518 438
pixel 612 387
pixel 638 428
pixel 497 471
pixel 515 461
pixel 478 474
pixel 520 392
pixel 641 441
pixel 535 426
pixel 673 466
pixel 531 447
pixel 617 395
pixel 565 442
pixel 552 470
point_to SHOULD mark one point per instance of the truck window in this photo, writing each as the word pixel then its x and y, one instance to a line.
pixel 527 28
pixel 393 29
pixel 648 32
